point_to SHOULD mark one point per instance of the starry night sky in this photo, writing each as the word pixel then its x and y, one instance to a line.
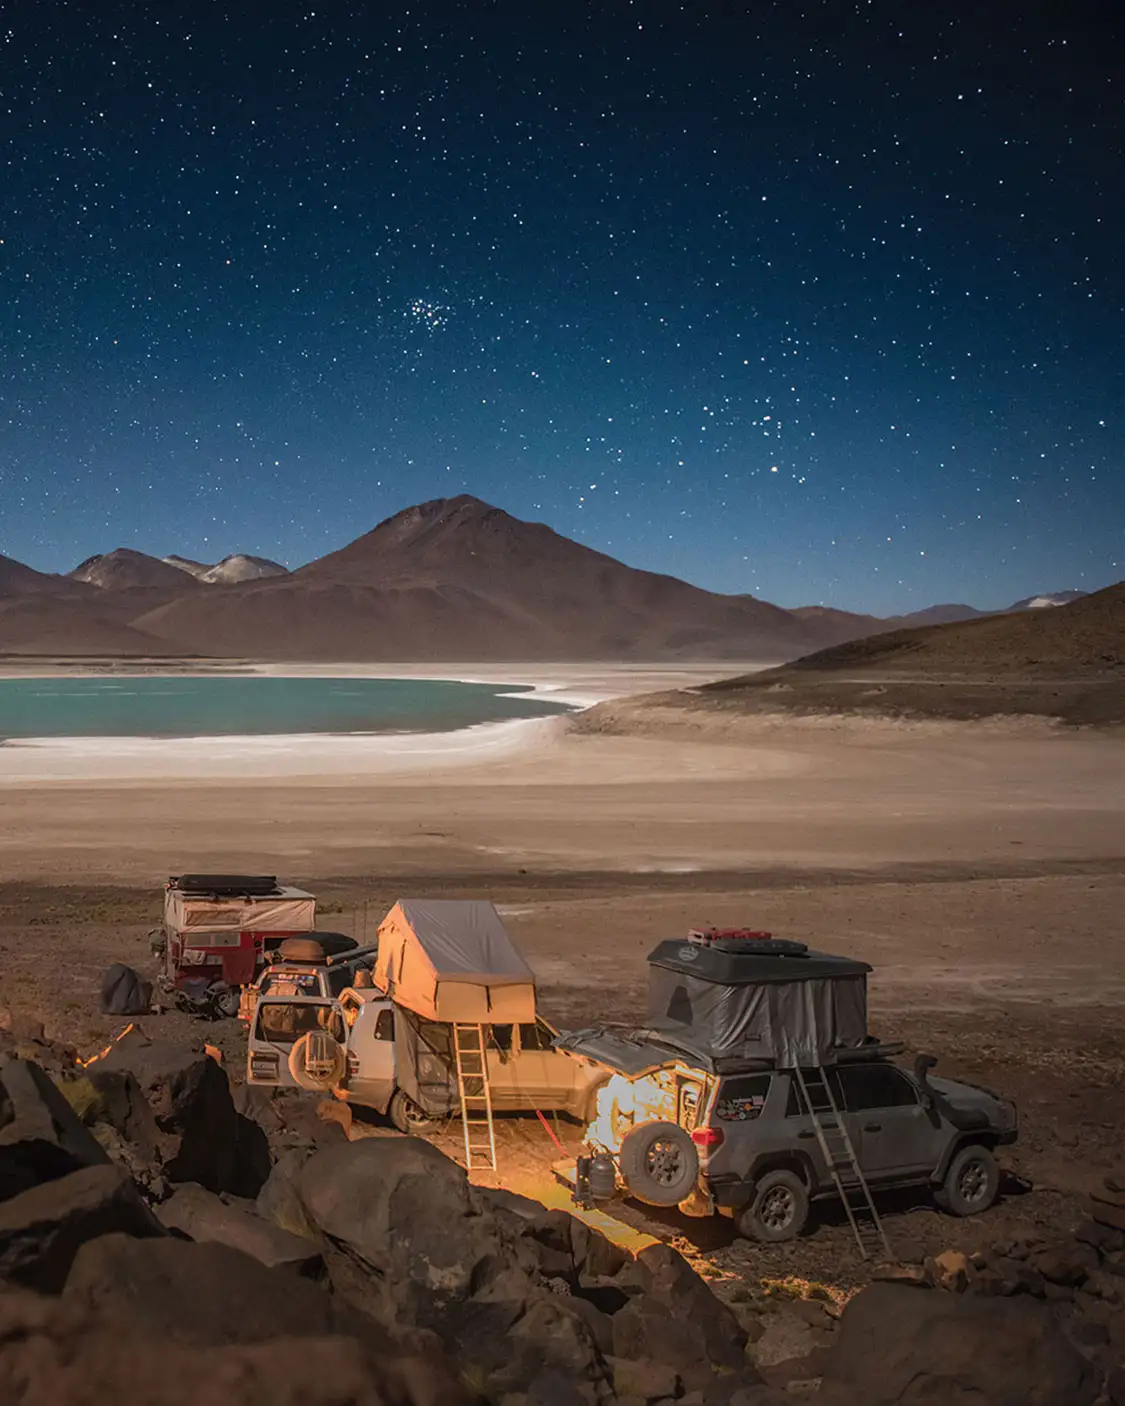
pixel 818 301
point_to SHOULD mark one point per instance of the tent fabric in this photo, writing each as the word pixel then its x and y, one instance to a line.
pixel 452 960
pixel 290 910
pixel 125 992
pixel 424 1064
pixel 792 1023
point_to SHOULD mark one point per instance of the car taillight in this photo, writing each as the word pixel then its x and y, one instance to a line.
pixel 707 1137
pixel 353 1063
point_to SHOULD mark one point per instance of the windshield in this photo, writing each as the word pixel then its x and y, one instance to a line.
pixel 283 1022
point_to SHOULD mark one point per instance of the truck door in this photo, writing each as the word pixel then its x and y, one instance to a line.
pixel 371 1056
pixel 896 1136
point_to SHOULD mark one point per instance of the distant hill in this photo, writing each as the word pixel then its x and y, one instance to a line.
pixel 44 624
pixel 17 580
pixel 123 568
pixel 1045 602
pixel 1067 663
pixel 193 568
pixel 240 567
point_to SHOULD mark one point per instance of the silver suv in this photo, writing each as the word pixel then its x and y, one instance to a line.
pixel 746 1144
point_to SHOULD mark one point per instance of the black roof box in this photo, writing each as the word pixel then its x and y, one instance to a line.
pixel 228 885
pixel 736 962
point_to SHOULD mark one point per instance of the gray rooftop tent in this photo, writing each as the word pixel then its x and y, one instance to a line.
pixel 451 960
pixel 746 998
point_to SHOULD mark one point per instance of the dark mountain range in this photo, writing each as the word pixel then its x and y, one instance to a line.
pixel 451 580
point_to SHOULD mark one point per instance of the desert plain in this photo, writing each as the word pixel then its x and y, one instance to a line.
pixel 979 867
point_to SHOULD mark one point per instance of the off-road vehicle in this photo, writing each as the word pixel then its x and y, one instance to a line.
pixel 755 1089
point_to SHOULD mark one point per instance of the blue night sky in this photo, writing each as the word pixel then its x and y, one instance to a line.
pixel 818 301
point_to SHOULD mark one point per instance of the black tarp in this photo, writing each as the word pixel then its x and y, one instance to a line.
pixel 125 992
pixel 729 1002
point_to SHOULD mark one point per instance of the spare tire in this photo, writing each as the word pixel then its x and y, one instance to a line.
pixel 301 949
pixel 659 1164
pixel 317 1061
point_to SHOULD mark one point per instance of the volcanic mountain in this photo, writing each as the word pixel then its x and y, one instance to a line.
pixel 457 579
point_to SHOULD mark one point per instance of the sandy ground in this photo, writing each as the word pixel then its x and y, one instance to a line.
pixel 980 869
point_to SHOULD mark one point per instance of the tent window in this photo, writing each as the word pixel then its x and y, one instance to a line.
pixel 535 1037
pixel 500 1036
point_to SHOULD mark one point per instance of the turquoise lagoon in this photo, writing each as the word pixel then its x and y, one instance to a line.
pixel 217 706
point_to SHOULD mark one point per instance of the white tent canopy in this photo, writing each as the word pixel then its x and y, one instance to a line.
pixel 452 960
pixel 287 910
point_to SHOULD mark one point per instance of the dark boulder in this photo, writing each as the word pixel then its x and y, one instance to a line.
pixel 64 1353
pixel 901 1346
pixel 42 1230
pixel 41 1137
pixel 407 1239
pixel 207 1295
pixel 206 1218
pixel 278 1200
pixel 200 1135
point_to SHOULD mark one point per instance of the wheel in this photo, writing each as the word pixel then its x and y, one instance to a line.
pixel 659 1163
pixel 405 1114
pixel 970 1184
pixel 226 1001
pixel 778 1210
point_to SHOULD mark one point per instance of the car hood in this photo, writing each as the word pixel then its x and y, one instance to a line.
pixel 968 1098
pixel 622 1051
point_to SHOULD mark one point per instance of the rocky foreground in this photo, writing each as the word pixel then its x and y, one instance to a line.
pixel 166 1239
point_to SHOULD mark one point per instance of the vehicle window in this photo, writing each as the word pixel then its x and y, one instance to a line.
pixel 339 979
pixel 284 1023
pixel 794 1106
pixel 743 1098
pixel 385 1026
pixel 500 1036
pixel 535 1037
pixel 876 1086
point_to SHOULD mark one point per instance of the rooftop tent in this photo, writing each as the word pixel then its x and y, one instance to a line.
pixel 747 998
pixel 452 960
pixel 284 910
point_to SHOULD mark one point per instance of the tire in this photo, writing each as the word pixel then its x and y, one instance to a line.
pixel 659 1164
pixel 971 1182
pixel 778 1210
pixel 318 1047
pixel 226 1001
pixel 406 1116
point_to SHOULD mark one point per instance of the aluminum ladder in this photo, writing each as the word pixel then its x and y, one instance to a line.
pixel 475 1095
pixel 838 1152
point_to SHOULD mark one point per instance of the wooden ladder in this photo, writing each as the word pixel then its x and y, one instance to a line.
pixel 838 1152
pixel 475 1094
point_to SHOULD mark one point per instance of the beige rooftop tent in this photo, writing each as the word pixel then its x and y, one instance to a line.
pixel 285 910
pixel 452 960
